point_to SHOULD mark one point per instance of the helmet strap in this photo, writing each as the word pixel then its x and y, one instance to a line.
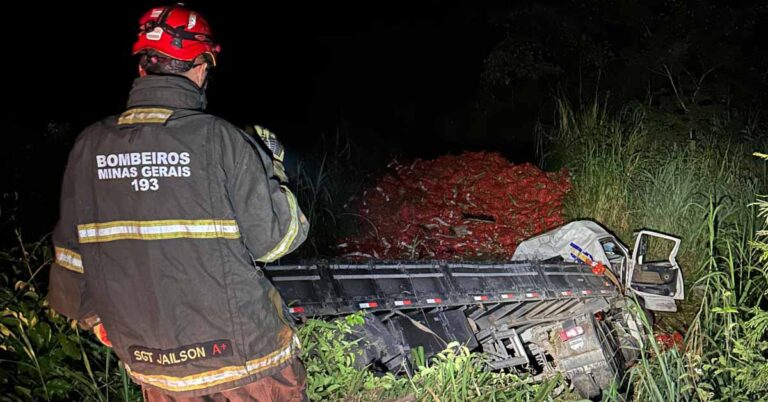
pixel 179 33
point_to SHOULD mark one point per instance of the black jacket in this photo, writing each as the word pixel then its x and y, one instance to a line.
pixel 164 212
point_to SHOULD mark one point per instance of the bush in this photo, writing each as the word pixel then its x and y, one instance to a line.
pixel 42 356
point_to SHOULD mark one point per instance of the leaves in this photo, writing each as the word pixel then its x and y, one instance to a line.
pixel 42 356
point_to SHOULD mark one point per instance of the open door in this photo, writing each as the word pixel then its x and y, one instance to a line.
pixel 654 274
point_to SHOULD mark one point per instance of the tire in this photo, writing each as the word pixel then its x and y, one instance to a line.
pixel 585 385
pixel 651 316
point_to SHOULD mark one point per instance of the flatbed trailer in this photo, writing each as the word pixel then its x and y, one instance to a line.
pixel 542 316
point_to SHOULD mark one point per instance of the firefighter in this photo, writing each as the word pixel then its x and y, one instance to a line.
pixel 167 214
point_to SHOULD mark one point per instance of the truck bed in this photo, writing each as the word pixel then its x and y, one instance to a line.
pixel 508 310
pixel 325 288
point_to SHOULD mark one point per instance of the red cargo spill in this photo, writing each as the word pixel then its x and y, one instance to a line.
pixel 668 341
pixel 476 205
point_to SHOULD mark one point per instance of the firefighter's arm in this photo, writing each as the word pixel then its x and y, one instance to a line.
pixel 267 213
pixel 67 290
pixel 274 148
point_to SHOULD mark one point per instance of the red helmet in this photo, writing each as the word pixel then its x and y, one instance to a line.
pixel 176 32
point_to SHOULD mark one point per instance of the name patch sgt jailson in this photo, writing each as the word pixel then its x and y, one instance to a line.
pixel 143 167
pixel 181 355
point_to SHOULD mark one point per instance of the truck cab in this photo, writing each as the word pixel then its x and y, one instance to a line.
pixel 650 270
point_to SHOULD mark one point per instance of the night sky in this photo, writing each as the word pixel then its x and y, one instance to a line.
pixel 388 69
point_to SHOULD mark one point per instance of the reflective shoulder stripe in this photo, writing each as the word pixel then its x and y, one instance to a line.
pixel 293 229
pixel 144 115
pixel 69 259
pixel 158 230
pixel 223 375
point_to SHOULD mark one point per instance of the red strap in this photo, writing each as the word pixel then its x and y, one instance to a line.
pixel 598 268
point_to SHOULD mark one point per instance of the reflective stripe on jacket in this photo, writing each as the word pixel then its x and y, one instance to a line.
pixel 164 211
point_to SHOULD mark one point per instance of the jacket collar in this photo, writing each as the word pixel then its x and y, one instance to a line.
pixel 170 91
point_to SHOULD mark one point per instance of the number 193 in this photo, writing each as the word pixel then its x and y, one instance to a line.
pixel 145 185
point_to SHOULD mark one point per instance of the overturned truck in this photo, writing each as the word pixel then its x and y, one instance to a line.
pixel 560 305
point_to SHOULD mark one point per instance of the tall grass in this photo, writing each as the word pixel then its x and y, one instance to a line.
pixel 629 178
pixel 324 180
pixel 724 357
pixel 603 155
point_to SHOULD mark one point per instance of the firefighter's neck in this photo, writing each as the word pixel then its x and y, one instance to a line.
pixel 196 74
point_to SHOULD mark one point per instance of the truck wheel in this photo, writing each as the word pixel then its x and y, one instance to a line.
pixel 650 316
pixel 585 386
pixel 603 377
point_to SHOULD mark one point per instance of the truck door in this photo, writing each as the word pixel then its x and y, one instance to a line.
pixel 654 274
